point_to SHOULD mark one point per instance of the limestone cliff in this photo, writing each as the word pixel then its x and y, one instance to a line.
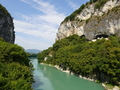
pixel 6 25
pixel 99 18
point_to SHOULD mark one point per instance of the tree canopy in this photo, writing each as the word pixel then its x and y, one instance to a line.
pixel 100 58
pixel 15 68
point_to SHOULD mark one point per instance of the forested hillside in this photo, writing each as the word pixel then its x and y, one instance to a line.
pixel 15 68
pixel 98 60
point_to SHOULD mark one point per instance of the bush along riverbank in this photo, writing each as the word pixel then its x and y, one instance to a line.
pixel 15 68
pixel 98 60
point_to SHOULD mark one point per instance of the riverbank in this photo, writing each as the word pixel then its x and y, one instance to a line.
pixel 107 87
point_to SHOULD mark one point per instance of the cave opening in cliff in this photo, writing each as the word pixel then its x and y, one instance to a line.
pixel 101 36
pixel 82 36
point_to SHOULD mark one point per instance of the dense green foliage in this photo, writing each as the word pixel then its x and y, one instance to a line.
pixel 100 58
pixel 15 68
pixel 100 4
pixel 72 16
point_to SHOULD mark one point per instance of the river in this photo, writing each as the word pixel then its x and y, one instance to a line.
pixel 49 78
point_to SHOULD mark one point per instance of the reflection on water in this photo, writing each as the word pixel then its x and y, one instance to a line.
pixel 49 78
pixel 41 82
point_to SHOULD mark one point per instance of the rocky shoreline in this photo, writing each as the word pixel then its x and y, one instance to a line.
pixel 67 71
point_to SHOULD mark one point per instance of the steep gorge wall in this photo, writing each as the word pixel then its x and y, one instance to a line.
pixel 6 25
pixel 92 22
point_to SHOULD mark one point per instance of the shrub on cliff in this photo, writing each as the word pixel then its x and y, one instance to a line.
pixel 3 9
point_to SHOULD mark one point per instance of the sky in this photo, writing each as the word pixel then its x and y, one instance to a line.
pixel 36 22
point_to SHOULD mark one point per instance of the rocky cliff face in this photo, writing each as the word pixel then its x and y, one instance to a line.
pixel 6 26
pixel 93 22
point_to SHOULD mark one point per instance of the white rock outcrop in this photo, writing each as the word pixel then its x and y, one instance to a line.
pixel 109 24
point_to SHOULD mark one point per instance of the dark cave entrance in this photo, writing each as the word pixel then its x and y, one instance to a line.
pixel 101 36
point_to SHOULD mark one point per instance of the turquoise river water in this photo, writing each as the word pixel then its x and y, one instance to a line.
pixel 49 78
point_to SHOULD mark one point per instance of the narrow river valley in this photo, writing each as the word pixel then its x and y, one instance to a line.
pixel 49 78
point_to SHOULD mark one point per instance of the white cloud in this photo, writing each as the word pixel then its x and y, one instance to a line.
pixel 45 7
pixel 42 6
pixel 43 25
pixel 45 31
pixel 26 1
pixel 73 5
pixel 27 44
